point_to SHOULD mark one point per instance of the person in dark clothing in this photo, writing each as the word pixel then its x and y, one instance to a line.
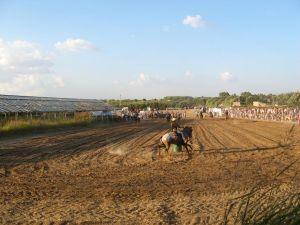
pixel 201 115
pixel 168 117
pixel 175 126
pixel 226 115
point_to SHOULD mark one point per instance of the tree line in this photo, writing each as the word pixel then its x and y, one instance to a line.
pixel 224 99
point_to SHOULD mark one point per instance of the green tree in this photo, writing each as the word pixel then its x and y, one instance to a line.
pixel 224 94
pixel 244 96
pixel 294 100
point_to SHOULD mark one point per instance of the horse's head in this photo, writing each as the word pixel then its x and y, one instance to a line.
pixel 187 132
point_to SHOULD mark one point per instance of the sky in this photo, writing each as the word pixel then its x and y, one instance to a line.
pixel 148 49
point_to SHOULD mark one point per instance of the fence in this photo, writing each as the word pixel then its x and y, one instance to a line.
pixel 269 114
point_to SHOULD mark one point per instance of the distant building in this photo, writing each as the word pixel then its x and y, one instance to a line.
pixel 236 104
pixel 259 104
pixel 29 106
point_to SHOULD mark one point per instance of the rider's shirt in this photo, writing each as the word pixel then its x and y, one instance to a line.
pixel 175 125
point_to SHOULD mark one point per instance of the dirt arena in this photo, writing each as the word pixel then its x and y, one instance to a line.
pixel 112 174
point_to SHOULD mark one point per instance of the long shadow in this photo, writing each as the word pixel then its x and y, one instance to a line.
pixel 167 214
pixel 287 140
pixel 239 150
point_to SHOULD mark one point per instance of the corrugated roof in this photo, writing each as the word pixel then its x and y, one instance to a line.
pixel 14 103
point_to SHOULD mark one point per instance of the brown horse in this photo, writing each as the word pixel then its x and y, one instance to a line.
pixel 182 139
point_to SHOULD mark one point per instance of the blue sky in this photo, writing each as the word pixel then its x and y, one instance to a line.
pixel 139 49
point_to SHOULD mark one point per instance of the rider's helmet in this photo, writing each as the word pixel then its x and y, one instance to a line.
pixel 173 119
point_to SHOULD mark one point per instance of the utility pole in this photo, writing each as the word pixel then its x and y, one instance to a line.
pixel 120 100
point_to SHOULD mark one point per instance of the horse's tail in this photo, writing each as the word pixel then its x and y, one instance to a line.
pixel 161 144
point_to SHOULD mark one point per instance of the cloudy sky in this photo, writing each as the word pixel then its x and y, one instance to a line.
pixel 148 49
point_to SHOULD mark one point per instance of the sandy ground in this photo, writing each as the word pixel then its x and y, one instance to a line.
pixel 113 175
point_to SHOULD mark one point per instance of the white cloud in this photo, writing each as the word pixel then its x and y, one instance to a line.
pixel 188 73
pixel 58 82
pixel 194 21
pixel 140 80
pixel 144 79
pixel 74 45
pixel 23 57
pixel 25 69
pixel 22 84
pixel 23 63
pixel 226 76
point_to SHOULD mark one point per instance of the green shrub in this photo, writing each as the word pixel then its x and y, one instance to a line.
pixel 13 126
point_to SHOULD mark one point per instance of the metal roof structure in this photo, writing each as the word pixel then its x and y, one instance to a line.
pixel 27 104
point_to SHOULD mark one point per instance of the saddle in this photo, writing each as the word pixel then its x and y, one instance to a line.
pixel 174 137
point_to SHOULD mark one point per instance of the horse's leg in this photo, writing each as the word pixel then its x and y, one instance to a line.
pixel 165 144
pixel 169 153
pixel 167 148
pixel 186 148
pixel 186 145
pixel 190 147
pixel 158 150
pixel 160 145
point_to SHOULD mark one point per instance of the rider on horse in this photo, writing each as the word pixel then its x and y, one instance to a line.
pixel 175 126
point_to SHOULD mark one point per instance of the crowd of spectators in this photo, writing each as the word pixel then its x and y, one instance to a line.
pixel 271 114
pixel 161 114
